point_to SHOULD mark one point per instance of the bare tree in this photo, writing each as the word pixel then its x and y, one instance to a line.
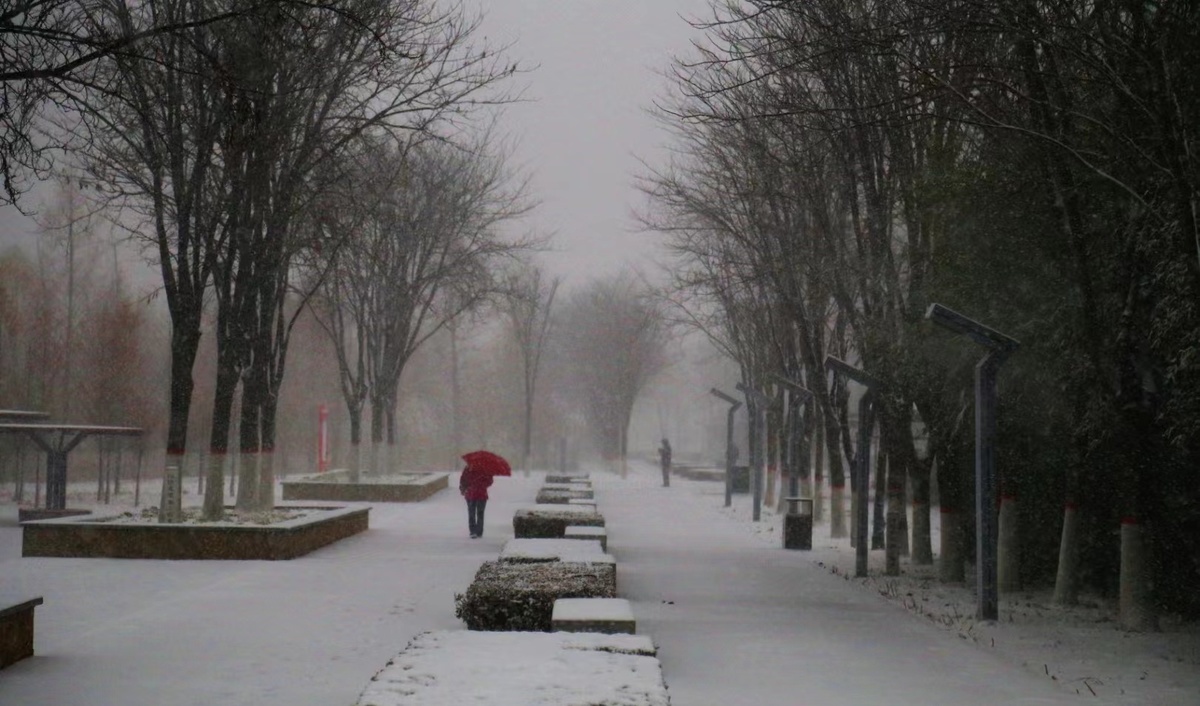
pixel 528 303
pixel 613 333
pixel 427 247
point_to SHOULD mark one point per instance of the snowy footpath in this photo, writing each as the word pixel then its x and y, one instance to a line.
pixel 736 619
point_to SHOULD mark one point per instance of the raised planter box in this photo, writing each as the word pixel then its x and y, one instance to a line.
pixel 335 486
pixel 532 669
pixel 94 537
pixel 550 521
pixel 560 495
pixel 569 550
pixel 566 477
pixel 30 514
pixel 16 628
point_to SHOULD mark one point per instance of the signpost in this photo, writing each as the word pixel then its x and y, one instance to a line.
pixel 999 347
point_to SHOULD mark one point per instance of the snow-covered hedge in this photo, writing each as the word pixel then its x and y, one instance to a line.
pixel 520 596
pixel 559 495
pixel 551 520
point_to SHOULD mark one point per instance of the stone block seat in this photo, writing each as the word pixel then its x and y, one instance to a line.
pixel 606 615
pixel 535 669
pixel 587 533
pixel 16 627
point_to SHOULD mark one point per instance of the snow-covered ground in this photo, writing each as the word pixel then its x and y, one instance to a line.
pixel 736 618
pixel 1079 648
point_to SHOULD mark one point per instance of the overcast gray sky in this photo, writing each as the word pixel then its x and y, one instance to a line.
pixel 595 69
pixel 598 65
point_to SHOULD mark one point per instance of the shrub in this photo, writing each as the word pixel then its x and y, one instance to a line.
pixel 520 596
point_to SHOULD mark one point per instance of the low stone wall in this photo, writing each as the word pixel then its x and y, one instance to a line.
pixel 338 488
pixel 29 514
pixel 285 540
pixel 16 628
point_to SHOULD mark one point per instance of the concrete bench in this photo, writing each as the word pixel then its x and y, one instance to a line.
pixel 459 667
pixel 16 628
pixel 582 532
pixel 606 615
pixel 582 502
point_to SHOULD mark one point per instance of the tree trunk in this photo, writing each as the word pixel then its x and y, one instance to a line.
pixel 391 459
pixel 1008 567
pixel 266 472
pixel 249 444
pixel 1136 610
pixel 222 419
pixel 837 478
pixel 185 340
pixel 951 496
pixel 818 451
pixel 377 412
pixel 355 414
pixel 1066 583
pixel 922 531
pixel 882 495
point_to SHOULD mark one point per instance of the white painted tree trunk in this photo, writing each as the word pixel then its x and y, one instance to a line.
pixel 1066 583
pixel 247 495
pixel 950 567
pixel 1136 612
pixel 837 511
pixel 265 498
pixel 1008 566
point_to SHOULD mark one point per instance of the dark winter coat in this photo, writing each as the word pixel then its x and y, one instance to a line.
pixel 473 484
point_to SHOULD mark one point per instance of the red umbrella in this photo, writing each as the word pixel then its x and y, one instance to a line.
pixel 488 462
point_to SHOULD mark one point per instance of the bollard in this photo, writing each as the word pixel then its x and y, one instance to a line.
pixel 798 523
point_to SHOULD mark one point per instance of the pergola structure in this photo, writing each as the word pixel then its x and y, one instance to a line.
pixel 57 440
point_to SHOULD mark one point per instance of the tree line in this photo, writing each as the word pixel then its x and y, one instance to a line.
pixel 840 165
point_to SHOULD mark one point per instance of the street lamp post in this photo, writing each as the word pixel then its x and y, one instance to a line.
pixel 862 456
pixel 729 459
pixel 757 405
pixel 999 347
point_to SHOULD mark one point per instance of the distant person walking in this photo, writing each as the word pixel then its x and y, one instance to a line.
pixel 473 484
pixel 664 460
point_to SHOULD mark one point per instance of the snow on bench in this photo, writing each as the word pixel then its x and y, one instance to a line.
pixel 569 550
pixel 16 627
pixel 575 532
pixel 520 669
pixel 606 615
pixel 582 502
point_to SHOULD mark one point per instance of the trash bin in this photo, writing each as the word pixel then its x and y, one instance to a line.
pixel 798 523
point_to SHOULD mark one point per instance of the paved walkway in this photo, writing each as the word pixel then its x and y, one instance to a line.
pixel 737 621
pixel 741 622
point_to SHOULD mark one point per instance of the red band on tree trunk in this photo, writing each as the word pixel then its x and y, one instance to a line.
pixel 1072 506
pixel 1129 520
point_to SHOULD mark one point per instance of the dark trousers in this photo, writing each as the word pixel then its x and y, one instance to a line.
pixel 475 516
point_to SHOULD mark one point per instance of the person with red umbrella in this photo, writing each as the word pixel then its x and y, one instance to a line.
pixel 476 478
